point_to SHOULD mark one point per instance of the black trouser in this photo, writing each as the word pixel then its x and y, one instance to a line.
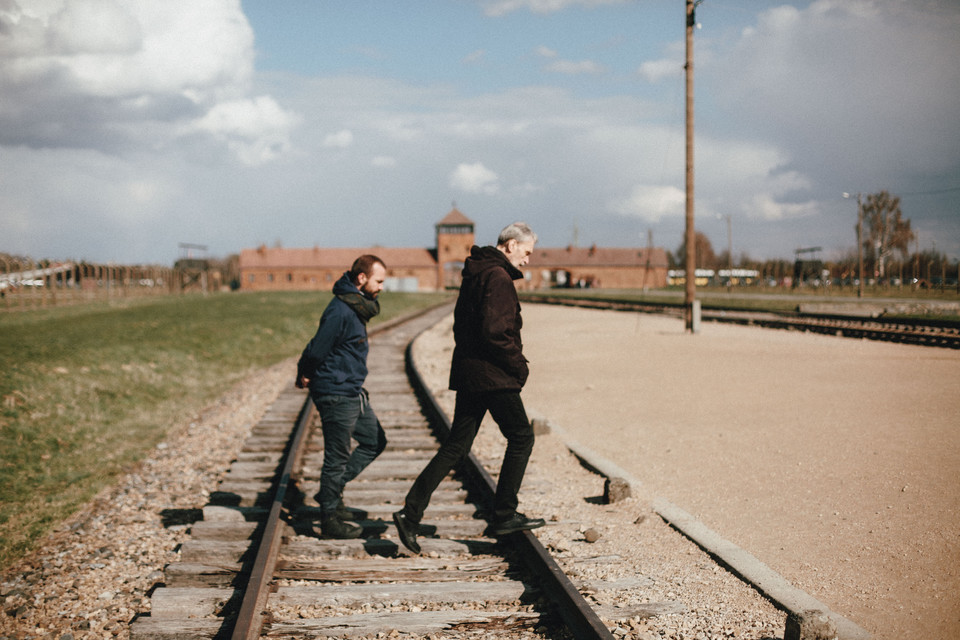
pixel 507 410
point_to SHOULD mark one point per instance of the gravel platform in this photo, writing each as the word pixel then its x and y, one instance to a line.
pixel 607 379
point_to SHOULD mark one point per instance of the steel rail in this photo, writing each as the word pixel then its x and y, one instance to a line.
pixel 908 331
pixel 249 621
pixel 581 620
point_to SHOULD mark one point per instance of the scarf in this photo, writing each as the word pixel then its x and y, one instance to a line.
pixel 364 307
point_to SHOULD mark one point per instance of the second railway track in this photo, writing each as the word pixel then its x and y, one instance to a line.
pixel 931 333
pixel 255 565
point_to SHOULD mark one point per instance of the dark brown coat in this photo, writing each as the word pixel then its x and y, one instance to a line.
pixel 488 355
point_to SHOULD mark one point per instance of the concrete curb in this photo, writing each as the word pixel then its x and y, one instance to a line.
pixel 738 561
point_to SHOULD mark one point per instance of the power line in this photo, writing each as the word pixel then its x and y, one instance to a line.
pixel 930 193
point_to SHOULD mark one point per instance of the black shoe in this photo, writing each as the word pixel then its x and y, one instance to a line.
pixel 349 513
pixel 335 528
pixel 407 530
pixel 516 522
pixel 344 512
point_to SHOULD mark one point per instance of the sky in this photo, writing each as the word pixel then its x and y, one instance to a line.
pixel 128 127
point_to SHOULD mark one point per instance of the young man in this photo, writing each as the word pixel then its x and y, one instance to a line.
pixel 488 371
pixel 334 366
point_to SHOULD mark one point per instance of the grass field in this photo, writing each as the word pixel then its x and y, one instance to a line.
pixel 87 390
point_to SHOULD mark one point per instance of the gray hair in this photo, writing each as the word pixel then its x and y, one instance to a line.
pixel 518 231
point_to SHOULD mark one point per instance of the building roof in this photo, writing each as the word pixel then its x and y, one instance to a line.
pixel 597 257
pixel 400 258
pixel 455 217
pixel 317 258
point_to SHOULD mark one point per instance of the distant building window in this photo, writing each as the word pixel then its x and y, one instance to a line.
pixel 253 278
pixel 289 277
pixel 461 228
pixel 269 277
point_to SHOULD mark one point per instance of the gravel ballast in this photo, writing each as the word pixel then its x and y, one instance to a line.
pixel 93 575
pixel 646 580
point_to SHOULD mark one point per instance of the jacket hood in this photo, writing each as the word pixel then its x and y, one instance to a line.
pixel 345 285
pixel 485 258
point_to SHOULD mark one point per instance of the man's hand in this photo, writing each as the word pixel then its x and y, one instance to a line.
pixel 302 382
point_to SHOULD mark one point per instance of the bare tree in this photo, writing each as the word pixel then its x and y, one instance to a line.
pixel 888 231
pixel 705 256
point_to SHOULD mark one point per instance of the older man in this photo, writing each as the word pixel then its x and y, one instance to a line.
pixel 488 371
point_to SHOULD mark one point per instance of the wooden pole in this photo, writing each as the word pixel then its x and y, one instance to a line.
pixel 690 262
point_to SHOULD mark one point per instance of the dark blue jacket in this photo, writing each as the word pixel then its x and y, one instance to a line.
pixel 335 360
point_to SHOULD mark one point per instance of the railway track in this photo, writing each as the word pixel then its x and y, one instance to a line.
pixel 931 333
pixel 255 566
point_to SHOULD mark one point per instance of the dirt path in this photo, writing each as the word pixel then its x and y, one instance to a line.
pixel 834 461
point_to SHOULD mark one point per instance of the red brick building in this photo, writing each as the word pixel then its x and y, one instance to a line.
pixel 266 268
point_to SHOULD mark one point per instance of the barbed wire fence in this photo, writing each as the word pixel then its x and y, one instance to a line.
pixel 25 284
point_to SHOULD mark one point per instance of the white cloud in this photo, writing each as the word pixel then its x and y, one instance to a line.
pixel 546 52
pixel 570 67
pixel 90 205
pixel 256 130
pixel 97 27
pixel 843 84
pixel 475 178
pixel 399 127
pixel 147 123
pixel 527 189
pixel 339 140
pixel 497 8
pixel 201 50
pixel 765 207
pixel 475 56
pixel 109 75
pixel 651 203
pixel 657 70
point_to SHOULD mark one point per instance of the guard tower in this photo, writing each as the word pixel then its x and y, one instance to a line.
pixel 454 239
pixel 192 267
pixel 806 268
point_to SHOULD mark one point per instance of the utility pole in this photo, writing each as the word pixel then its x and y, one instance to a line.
pixel 859 244
pixel 646 267
pixel 729 252
pixel 859 247
pixel 691 309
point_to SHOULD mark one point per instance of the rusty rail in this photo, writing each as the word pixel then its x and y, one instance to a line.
pixel 580 618
pixel 924 332
pixel 574 611
pixel 249 620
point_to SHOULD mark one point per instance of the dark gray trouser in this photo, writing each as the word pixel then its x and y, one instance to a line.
pixel 507 410
pixel 343 418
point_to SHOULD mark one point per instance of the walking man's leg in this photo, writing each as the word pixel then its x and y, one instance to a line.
pixel 467 415
pixel 371 441
pixel 508 411
pixel 338 415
